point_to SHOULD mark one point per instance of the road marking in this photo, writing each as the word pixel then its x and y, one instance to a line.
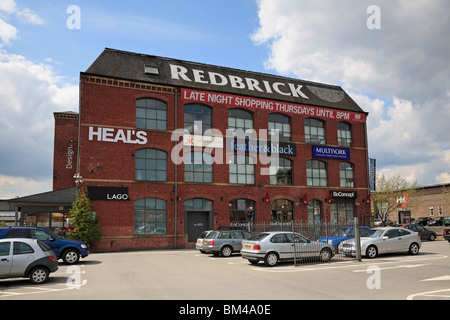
pixel 432 294
pixel 396 267
pixel 437 278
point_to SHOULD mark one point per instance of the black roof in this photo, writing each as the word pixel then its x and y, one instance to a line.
pixel 130 66
pixel 57 197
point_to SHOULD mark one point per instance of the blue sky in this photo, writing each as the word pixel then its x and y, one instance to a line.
pixel 399 73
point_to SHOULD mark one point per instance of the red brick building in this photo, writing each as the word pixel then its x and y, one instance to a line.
pixel 154 186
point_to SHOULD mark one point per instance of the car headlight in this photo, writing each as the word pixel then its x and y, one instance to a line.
pixel 84 246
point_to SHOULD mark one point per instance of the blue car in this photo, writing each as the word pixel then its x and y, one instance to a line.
pixel 70 251
pixel 342 234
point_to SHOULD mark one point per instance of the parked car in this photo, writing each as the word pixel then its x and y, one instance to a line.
pixel 438 221
pixel 379 222
pixel 423 220
pixel 68 250
pixel 385 240
pixel 446 221
pixel 446 234
pixel 199 243
pixel 273 247
pixel 26 258
pixel 424 233
pixel 225 242
pixel 342 234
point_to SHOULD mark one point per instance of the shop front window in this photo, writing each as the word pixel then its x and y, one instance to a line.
pixel 314 211
pixel 242 211
pixel 281 211
pixel 342 212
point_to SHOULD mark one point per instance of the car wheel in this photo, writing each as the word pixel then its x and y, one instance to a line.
pixel 432 237
pixel 71 256
pixel 39 275
pixel 325 255
pixel 414 248
pixel 226 251
pixel 371 252
pixel 271 259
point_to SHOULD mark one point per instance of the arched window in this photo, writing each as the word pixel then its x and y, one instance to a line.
pixel 240 119
pixel 316 173
pixel 150 216
pixel 198 167
pixel 314 131
pixel 281 123
pixel 151 114
pixel 150 165
pixel 344 134
pixel 346 175
pixel 197 113
pixel 282 173
pixel 315 211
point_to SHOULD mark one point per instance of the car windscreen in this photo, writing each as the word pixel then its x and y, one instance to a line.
pixel 376 233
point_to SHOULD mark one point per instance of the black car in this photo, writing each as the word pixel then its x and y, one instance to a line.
pixel 423 221
pixel 424 233
pixel 439 221
pixel 446 234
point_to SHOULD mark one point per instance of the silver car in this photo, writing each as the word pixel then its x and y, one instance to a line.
pixel 22 258
pixel 385 240
pixel 272 247
pixel 225 242
pixel 199 243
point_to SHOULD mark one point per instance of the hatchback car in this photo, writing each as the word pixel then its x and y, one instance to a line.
pixel 424 232
pixel 22 258
pixel 199 243
pixel 384 240
pixel 225 242
pixel 68 250
pixel 273 247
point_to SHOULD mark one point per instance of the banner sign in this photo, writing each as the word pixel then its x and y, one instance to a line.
pixel 343 194
pixel 108 193
pixel 269 105
pixel 269 147
pixel 331 152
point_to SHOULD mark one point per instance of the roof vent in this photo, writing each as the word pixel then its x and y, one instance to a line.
pixel 151 70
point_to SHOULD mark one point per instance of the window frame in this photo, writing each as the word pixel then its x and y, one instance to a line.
pixel 314 173
pixel 153 164
pixel 152 112
pixel 312 137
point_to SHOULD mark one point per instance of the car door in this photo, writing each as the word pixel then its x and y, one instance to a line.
pixel 404 240
pixel 5 259
pixel 23 255
pixel 392 243
pixel 282 245
pixel 236 240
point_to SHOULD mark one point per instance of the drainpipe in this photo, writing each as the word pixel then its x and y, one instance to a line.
pixel 176 173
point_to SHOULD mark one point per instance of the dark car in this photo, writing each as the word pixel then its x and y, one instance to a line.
pixel 446 234
pixel 422 221
pixel 68 250
pixel 439 221
pixel 423 232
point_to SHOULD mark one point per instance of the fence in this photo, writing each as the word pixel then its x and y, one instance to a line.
pixel 332 234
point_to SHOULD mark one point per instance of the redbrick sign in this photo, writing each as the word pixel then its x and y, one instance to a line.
pixel 269 105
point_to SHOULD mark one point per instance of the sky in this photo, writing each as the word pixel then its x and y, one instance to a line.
pixel 391 56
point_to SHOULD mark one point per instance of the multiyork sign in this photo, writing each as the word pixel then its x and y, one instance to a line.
pixel 236 82
pixel 331 152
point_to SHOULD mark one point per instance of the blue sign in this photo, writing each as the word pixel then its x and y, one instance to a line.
pixel 331 152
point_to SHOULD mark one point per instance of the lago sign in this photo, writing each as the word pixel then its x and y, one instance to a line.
pixel 108 193
pixel 331 152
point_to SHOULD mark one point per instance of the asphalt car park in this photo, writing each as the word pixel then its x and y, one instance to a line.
pixel 190 275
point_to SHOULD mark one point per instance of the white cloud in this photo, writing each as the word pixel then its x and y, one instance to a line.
pixel 400 73
pixel 7 32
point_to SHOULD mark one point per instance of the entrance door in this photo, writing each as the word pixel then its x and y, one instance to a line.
pixel 196 222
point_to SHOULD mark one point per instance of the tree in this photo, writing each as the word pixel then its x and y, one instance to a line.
pixel 390 193
pixel 86 226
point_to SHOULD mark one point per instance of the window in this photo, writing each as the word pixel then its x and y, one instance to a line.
pixel 241 211
pixel 344 134
pixel 314 131
pixel 151 114
pixel 282 124
pixel 315 211
pixel 22 248
pixel 316 173
pixel 198 204
pixel 198 167
pixel 240 119
pixel 18 233
pixel 150 165
pixel 441 212
pixel 346 175
pixel 431 211
pixel 242 169
pixel 150 216
pixel 40 235
pixel 197 112
pixel 281 210
pixel 283 174
pixel 4 248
